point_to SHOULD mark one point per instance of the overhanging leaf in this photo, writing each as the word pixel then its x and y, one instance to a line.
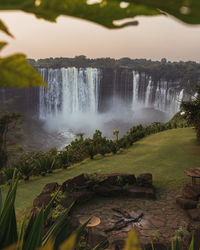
pixel 15 71
pixel 4 28
pixel 70 243
pixel 106 11
pixel 103 13
pixel 2 45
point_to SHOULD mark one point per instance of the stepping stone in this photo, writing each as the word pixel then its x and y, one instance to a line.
pixel 186 203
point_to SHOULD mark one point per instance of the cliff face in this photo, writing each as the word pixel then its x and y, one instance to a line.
pixel 115 83
pixel 93 90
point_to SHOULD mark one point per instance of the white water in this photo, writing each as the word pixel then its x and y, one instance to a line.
pixel 161 95
pixel 70 90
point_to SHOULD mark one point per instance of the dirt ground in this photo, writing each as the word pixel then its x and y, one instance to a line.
pixel 162 220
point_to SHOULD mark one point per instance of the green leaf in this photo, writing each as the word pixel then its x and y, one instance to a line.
pixel 4 28
pixel 1 202
pixel 50 205
pixel 8 224
pixel 103 13
pixel 107 11
pixel 191 247
pixel 70 243
pixel 2 45
pixel 21 233
pixel 56 226
pixel 177 245
pixel 15 71
pixel 34 237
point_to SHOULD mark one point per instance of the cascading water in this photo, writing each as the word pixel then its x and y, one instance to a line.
pixel 78 90
pixel 136 78
pixel 70 90
pixel 161 95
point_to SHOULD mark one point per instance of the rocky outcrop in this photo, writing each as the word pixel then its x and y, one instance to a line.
pixel 50 187
pixel 144 180
pixel 42 199
pixel 74 183
pixel 82 188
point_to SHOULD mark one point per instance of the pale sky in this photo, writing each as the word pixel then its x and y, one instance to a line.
pixel 154 38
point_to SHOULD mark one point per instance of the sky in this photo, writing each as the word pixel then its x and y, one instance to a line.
pixel 154 38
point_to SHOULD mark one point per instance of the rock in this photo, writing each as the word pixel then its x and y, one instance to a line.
pixel 95 237
pixel 119 179
pixel 42 199
pixel 107 191
pixel 191 191
pixel 75 182
pixel 77 197
pixel 185 203
pixel 141 192
pixel 82 196
pixel 67 202
pixel 144 180
pixel 50 187
pixel 194 214
pixel 117 245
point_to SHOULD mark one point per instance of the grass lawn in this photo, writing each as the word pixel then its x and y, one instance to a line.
pixel 165 155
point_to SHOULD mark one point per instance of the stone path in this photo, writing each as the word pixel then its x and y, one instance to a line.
pixel 162 217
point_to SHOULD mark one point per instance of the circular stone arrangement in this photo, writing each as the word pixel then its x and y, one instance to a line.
pixel 121 202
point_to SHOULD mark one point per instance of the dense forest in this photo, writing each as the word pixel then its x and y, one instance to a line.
pixel 188 72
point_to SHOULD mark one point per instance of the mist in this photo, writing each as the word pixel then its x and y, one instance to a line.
pixel 119 116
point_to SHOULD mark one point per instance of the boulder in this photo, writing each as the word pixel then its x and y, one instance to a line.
pixel 77 197
pixel 118 179
pixel 95 237
pixel 144 180
pixel 191 191
pixel 108 191
pixel 141 192
pixel 74 183
pixel 185 203
pixel 194 214
pixel 82 196
pixel 42 199
pixel 50 187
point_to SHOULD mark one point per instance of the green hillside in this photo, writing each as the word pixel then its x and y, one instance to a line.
pixel 164 154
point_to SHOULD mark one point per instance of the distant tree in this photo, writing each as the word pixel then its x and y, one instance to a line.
pixel 7 122
pixel 191 111
pixel 163 60
pixel 116 133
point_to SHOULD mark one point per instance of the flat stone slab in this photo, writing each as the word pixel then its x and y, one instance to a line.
pixel 107 191
pixel 141 192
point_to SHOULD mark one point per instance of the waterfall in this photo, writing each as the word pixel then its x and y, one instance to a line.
pixel 148 93
pixel 136 78
pixel 70 90
pixel 162 95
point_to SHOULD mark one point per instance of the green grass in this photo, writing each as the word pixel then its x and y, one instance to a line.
pixel 165 155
